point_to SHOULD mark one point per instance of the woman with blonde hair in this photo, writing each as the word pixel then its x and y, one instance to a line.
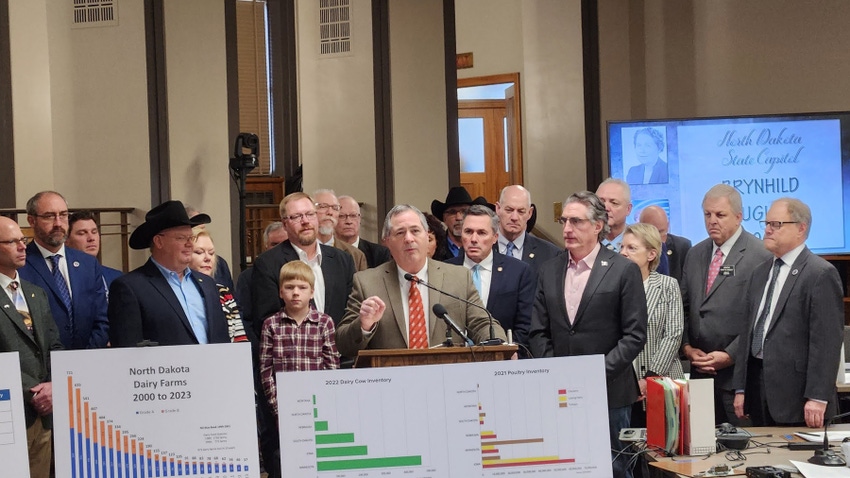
pixel 204 261
pixel 660 355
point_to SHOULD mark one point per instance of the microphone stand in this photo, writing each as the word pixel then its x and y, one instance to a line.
pixel 493 340
pixel 827 457
pixel 441 312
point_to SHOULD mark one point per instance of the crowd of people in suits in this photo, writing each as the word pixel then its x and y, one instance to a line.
pixel 763 319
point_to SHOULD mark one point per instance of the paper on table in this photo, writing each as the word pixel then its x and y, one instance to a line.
pixel 816 471
pixel 834 435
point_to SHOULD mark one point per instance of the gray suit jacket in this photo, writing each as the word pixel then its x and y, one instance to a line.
pixel 803 341
pixel 610 320
pixel 536 251
pixel 713 321
pixel 33 347
pixel 391 331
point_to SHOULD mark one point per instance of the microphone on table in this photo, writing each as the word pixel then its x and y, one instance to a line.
pixel 441 312
pixel 827 457
pixel 493 340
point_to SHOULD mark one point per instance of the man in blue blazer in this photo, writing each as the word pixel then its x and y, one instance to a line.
pixel 515 210
pixel 164 301
pixel 72 279
pixel 506 285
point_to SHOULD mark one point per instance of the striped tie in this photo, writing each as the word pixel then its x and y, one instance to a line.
pixel 418 335
pixel 62 287
pixel 21 304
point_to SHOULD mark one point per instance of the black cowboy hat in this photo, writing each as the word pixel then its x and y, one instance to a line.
pixel 458 196
pixel 167 215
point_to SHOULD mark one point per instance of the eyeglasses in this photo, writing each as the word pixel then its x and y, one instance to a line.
pixel 51 216
pixel 777 224
pixel 14 242
pixel 183 238
pixel 343 217
pixel 322 206
pixel 298 217
pixel 574 221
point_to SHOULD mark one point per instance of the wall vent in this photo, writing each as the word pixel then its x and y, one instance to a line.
pixel 334 28
pixel 95 13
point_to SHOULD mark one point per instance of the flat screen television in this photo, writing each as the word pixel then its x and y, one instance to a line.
pixel 672 163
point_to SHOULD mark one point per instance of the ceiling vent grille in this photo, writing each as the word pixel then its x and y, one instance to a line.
pixel 334 28
pixel 95 13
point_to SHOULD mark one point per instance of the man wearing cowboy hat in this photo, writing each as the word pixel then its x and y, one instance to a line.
pixel 164 301
pixel 451 213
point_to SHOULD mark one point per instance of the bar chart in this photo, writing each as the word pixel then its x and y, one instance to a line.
pixel 543 419
pixel 101 448
pixel 13 432
pixel 155 412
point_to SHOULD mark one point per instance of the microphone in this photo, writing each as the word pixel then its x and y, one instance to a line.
pixel 441 312
pixel 493 340
pixel 827 457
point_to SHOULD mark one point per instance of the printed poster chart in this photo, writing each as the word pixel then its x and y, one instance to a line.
pixel 13 428
pixel 155 412
pixel 541 418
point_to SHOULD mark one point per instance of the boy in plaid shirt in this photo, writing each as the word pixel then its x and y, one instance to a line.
pixel 298 337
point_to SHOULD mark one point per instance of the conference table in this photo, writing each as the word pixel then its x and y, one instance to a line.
pixel 768 447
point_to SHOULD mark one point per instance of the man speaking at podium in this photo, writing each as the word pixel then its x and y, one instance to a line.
pixel 386 310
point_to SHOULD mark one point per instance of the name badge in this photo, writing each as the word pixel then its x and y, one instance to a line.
pixel 727 271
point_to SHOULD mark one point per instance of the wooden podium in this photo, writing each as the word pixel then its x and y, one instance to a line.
pixel 404 357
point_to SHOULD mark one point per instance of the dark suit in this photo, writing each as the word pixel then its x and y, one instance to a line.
pixel 391 331
pixel 677 250
pixel 337 271
pixel 713 321
pixel 110 274
pixel 376 254
pixel 33 347
pixel 658 175
pixel 610 320
pixel 511 296
pixel 803 341
pixel 88 297
pixel 142 306
pixel 536 251
pixel 223 275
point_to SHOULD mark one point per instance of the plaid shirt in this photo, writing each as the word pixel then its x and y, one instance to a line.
pixel 288 347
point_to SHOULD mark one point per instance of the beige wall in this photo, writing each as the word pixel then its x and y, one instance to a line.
pixel 197 113
pixel 492 31
pixel 31 101
pixel 418 91
pixel 337 111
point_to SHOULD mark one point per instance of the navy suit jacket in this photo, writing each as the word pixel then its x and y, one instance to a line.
pixel 376 254
pixel 142 306
pixel 88 297
pixel 337 271
pixel 536 251
pixel 677 249
pixel 33 347
pixel 611 320
pixel 511 298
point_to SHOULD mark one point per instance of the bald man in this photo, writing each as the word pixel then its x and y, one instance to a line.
pixel 673 248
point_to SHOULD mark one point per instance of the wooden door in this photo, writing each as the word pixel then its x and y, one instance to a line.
pixel 484 169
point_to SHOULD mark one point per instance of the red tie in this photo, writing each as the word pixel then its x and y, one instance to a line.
pixel 713 269
pixel 418 336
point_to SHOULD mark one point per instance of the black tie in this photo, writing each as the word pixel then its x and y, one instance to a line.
pixel 758 333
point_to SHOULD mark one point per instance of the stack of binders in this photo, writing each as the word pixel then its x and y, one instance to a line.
pixel 680 415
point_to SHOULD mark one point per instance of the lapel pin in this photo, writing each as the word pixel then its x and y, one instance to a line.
pixel 669 252
pixel 794 272
pixel 76 264
pixel 499 269
pixel 604 263
pixel 5 306
pixel 531 256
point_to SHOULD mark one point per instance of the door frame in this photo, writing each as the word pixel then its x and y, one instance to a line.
pixel 516 121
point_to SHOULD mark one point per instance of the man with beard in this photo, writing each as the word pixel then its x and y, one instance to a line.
pixel 334 268
pixel 72 279
pixel 163 301
pixel 327 209
pixel 451 213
